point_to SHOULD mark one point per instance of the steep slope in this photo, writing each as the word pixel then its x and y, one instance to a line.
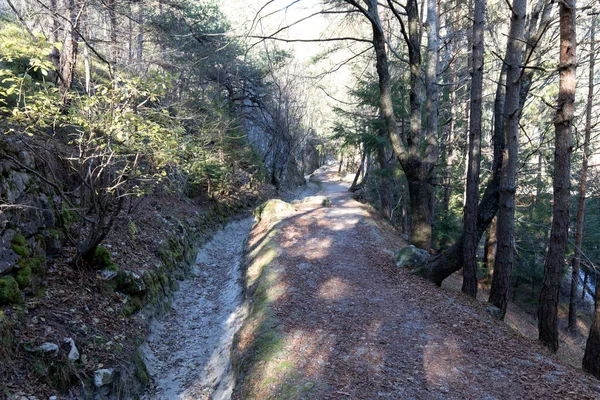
pixel 332 317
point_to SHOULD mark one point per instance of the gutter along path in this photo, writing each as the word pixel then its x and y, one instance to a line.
pixel 188 351
pixel 342 322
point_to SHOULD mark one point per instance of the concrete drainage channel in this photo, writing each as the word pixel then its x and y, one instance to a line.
pixel 188 351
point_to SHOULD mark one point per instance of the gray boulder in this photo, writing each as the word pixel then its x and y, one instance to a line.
pixel 273 209
pixel 130 283
pixel 103 377
pixel 73 352
pixel 494 311
pixel 8 258
pixel 410 257
pixel 48 348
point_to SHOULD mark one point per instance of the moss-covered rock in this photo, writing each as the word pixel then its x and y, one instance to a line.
pixel 19 245
pixel 141 371
pixel 36 264
pixel 9 290
pixel 23 277
pixel 273 208
pixel 101 257
pixel 130 283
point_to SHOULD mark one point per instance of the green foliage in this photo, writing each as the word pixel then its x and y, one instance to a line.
pixel 25 93
pixel 9 290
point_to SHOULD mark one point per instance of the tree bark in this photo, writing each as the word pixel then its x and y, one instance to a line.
pixel 68 55
pixel 508 175
pixel 113 29
pixel 591 357
pixel 471 241
pixel 449 147
pixel 555 257
pixel 384 184
pixel 140 36
pixel 583 183
pixel 431 104
pixel 55 23
pixel 360 169
pixel 490 251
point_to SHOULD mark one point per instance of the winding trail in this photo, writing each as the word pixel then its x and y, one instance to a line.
pixel 345 323
pixel 188 351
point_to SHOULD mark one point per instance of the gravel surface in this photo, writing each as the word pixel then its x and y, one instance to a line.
pixel 188 351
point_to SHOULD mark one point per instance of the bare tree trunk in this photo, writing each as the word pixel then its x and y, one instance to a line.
pixel 416 171
pixel 113 31
pixel 360 169
pixel 88 71
pixel 384 184
pixel 449 147
pixel 471 240
pixel 591 357
pixel 140 36
pixel 130 37
pixel 55 23
pixel 508 176
pixel 418 165
pixel 555 258
pixel 68 55
pixel 432 95
pixel 582 183
pixel 490 250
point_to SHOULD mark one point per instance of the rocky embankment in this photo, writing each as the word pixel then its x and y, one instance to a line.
pixel 74 331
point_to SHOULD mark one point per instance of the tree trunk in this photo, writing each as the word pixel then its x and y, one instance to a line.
pixel 449 147
pixel 68 55
pixel 360 169
pixel 431 105
pixel 420 207
pixel 471 241
pixel 490 251
pixel 384 184
pixel 417 167
pixel 591 357
pixel 555 258
pixel 88 71
pixel 508 175
pixel 55 23
pixel 130 37
pixel 582 183
pixel 584 285
pixel 140 36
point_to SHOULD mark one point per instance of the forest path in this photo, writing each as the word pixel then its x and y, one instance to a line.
pixel 345 323
pixel 188 351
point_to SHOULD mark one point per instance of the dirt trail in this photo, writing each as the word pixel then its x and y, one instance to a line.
pixel 346 324
pixel 188 352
